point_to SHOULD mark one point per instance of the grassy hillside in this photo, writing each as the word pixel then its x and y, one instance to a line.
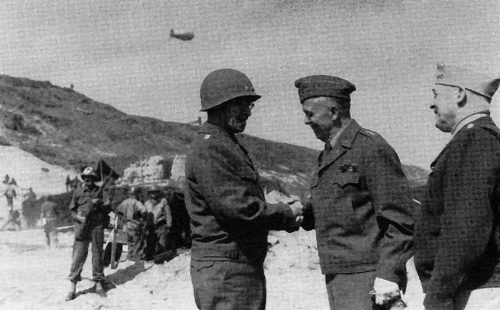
pixel 66 128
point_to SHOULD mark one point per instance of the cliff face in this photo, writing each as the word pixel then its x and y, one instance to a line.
pixel 155 169
pixel 66 128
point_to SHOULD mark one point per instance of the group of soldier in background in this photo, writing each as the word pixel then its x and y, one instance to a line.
pixel 154 229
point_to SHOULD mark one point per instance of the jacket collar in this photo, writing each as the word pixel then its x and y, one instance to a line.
pixel 344 142
pixel 469 119
pixel 486 120
pixel 212 129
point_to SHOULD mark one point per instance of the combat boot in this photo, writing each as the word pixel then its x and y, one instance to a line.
pixel 99 289
pixel 72 292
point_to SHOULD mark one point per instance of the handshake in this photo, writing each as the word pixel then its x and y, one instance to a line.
pixel 298 211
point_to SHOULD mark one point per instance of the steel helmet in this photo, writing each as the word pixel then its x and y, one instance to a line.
pixel 223 85
pixel 88 172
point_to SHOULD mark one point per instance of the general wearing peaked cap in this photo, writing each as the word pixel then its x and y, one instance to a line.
pixel 324 86
pixel 461 77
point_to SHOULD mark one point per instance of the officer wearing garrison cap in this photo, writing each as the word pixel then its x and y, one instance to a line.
pixel 457 230
pixel 230 217
pixel 359 201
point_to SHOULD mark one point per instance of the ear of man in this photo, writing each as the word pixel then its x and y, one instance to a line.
pixel 461 97
pixel 335 110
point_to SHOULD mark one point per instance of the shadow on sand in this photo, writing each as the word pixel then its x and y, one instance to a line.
pixel 124 275
pixel 118 278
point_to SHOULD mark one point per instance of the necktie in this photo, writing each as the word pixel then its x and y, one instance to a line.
pixel 326 151
pixel 328 148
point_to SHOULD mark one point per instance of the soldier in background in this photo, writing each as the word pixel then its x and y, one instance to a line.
pixel 180 234
pixel 10 194
pixel 28 206
pixel 14 217
pixel 30 195
pixel 68 183
pixel 81 207
pixel 158 225
pixel 49 216
pixel 133 211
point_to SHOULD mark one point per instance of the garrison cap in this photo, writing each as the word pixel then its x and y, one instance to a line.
pixel 223 85
pixel 461 77
pixel 324 86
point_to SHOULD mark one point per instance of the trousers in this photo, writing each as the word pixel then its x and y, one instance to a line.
pixel 80 252
pixel 350 291
pixel 50 229
pixel 228 285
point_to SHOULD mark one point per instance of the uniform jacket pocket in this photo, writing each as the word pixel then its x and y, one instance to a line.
pixel 198 265
pixel 346 178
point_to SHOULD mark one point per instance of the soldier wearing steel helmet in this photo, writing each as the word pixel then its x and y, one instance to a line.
pixel 81 206
pixel 230 218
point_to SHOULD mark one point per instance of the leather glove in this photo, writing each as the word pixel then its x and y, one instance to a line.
pixel 385 291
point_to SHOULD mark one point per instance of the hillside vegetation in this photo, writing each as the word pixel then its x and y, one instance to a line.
pixel 68 129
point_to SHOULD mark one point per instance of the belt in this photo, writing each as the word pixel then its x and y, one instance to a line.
pixel 218 253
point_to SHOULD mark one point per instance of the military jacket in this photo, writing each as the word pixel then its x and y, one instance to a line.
pixel 456 236
pixel 49 210
pixel 81 205
pixel 132 209
pixel 159 212
pixel 230 218
pixel 361 207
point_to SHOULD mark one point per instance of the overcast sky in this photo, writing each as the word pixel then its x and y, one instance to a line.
pixel 119 53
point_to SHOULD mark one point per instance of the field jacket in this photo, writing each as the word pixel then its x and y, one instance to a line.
pixel 230 218
pixel 361 207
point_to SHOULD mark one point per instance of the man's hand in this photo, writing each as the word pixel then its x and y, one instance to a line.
pixel 296 207
pixel 79 219
pixel 297 212
pixel 385 291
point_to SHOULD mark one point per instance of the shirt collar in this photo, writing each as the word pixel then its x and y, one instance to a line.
pixel 469 119
pixel 335 138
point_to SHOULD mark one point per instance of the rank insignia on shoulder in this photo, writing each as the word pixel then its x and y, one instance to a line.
pixel 349 168
pixel 206 137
